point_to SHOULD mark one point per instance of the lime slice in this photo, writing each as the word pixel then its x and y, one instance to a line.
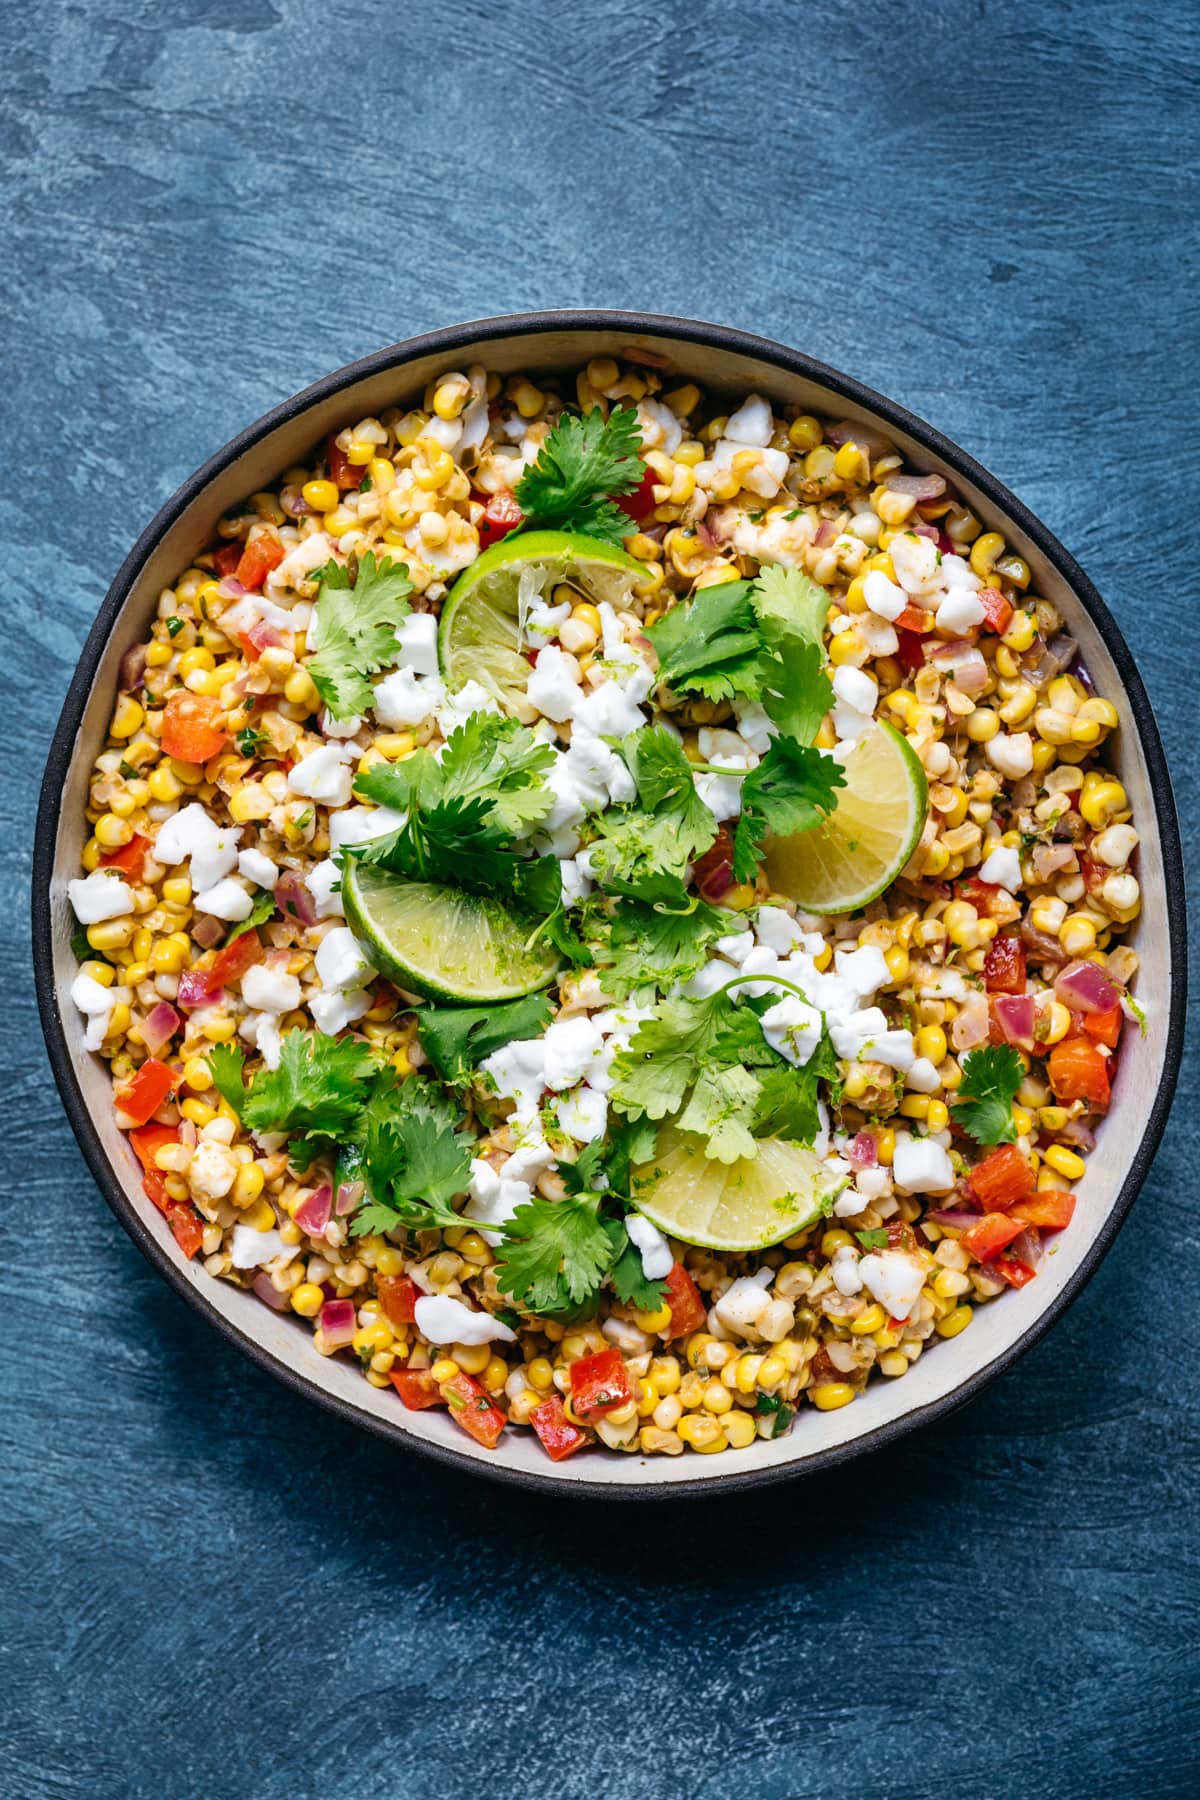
pixel 867 839
pixel 744 1205
pixel 479 636
pixel 441 943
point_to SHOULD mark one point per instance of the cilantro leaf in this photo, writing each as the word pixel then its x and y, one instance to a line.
pixel 647 948
pixel 797 693
pixel 873 1240
pixel 627 1276
pixel 787 1104
pixel 317 1088
pixel 711 645
pixel 722 1109
pixel 582 463
pixel 983 1103
pixel 456 1039
pixel 356 631
pixel 643 848
pixel 415 1157
pixel 554 1254
pixel 655 1074
pixel 261 910
pixel 791 789
pixel 790 603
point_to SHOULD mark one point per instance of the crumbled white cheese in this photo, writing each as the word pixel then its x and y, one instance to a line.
pixel 98 897
pixel 444 1320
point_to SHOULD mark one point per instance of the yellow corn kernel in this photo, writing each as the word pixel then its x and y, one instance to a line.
pixel 984 552
pixel 740 1430
pixel 1077 934
pixel 90 855
pixel 898 962
pixel 197 1074
pixel 1064 1161
pixel 893 1364
pixel 805 432
pixel 1021 631
pixel 110 934
pixel 102 972
pixel 158 655
pixel 954 1322
pixel 935 860
pixel 112 832
pixel 982 725
pixel 389 1261
pixel 248 1185
pixel 167 958
pixel 885 1146
pixel 196 658
pixel 118 1021
pixel 702 1432
pixel 472 1359
pixel 832 1394
pixel 717 1398
pixel 300 690
pixel 1100 803
pixel 127 717
pixel 914 1106
pixel 337 523
pixel 870 1320
pixel 647 1398
pixel 667 1375
pixel 835 1240
pixel 851 464
pixel 307 1299
pixel 846 647
pixel 746 1372
pixel 321 496
pixel 937 1118
pixel 930 1041
pixel 163 786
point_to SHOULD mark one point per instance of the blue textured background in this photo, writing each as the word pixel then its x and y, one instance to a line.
pixel 209 1588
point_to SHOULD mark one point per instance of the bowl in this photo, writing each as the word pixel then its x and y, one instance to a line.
pixel 722 359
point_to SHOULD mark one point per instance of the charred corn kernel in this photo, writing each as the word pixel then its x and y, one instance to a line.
pixel 307 1299
pixel 1064 1161
pixel 984 552
pixel 835 1240
pixel 702 1432
pixel 370 1338
pixel 1021 631
pixel 898 962
pixel 321 496
pixel 954 1322
pixel 740 1429
pixel 832 1394
pixel 805 432
pixel 247 1185
pixel 856 1083
pixel 1101 712
pixel 936 860
pixel 954 811
pixel 382 473
pixel 938 1116
pixel 127 717
pixel 885 1146
pixel 163 786
pixel 930 1041
pixel 870 1320
pixel 198 1075
pixel 682 400
pixel 301 690
pixel 110 934
pixel 528 399
pixel 771 1372
pixel 1102 802
pixel 653 1321
pixel 818 464
pixel 602 372
pixel 1077 934
pixel 450 398
pixel 433 528
pixel 893 1363
pixel 111 832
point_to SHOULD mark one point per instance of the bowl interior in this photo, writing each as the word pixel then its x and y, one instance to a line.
pixel 722 362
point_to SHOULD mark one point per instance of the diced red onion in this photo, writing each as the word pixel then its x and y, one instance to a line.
pixel 952 1220
pixel 1047 859
pixel 964 664
pixel 261 637
pixel 1016 1015
pixel 313 1215
pixel 1045 948
pixel 1027 1248
pixel 826 534
pixel 1076 1132
pixel 269 1294
pixel 337 1323
pixel 849 431
pixel 159 1026
pixel 230 588
pixel 921 487
pixel 133 667
pixel 711 530
pixel 862 1153
pixel 294 900
pixel 1086 989
pixel 348 1196
pixel 1042 662
pixel 293 502
pixel 972 1024
pixel 717 882
pixel 197 988
pixel 208 930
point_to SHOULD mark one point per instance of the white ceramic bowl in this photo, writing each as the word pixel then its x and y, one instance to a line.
pixel 720 359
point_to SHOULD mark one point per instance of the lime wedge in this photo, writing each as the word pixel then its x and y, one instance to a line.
pixel 744 1205
pixel 479 634
pixel 441 943
pixel 867 839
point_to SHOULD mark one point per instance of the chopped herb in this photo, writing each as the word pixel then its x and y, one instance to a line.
pixel 872 1240
pixel 983 1102
pixel 175 626
pixel 260 912
pixel 581 465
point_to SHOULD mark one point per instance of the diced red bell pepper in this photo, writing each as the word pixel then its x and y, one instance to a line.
pixel 147 1141
pixel 260 637
pixel 417 1388
pixel 1010 1269
pixel 913 618
pixel 559 1437
pixel 980 894
pixel 1004 965
pixel 190 732
pixel 398 1298
pixel 1104 1027
pixel 500 516
pixel 186 1227
pixel 146 1090
pixel 342 472
pixel 993 1232
pixel 1052 1209
pixel 599 1384
pixel 997 612
pixel 910 649
pixel 714 870
pixel 474 1409
pixel 688 1311
pixel 227 558
pixel 641 503
pixel 130 858
pixel 1078 1071
pixel 1001 1179
pixel 263 553
pixel 231 963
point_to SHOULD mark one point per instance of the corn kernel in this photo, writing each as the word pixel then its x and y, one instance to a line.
pixel 1064 1161
pixel 984 552
pixel 127 717
pixel 307 1299
pixel 831 1395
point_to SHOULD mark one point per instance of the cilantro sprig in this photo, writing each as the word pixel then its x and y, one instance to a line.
pixel 356 630
pixel 582 463
pixel 262 908
pixel 983 1102
pixel 730 641
pixel 457 1039
pixel 643 848
pixel 316 1090
pixel 642 947
pixel 790 790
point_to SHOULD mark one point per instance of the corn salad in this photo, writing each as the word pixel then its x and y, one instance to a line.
pixel 209 910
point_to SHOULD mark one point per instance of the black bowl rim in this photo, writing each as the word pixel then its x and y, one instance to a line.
pixel 449 341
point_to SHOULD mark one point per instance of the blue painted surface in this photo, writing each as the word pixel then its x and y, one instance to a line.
pixel 209 1588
